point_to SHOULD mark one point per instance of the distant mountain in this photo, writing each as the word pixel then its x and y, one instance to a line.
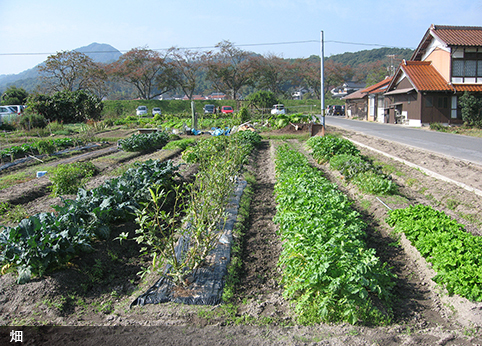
pixel 28 79
pixel 100 52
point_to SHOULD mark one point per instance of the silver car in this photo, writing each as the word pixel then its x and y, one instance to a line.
pixel 141 110
pixel 17 108
pixel 7 113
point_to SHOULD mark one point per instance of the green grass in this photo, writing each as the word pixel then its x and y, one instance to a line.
pixel 365 204
pixel 236 265
pixel 301 136
pixel 451 203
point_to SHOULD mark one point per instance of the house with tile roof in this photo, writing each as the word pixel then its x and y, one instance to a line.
pixel 426 89
pixel 356 105
pixel 369 103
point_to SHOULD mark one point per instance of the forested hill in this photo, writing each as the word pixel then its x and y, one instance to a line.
pixel 370 56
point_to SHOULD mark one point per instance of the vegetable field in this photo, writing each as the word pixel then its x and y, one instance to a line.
pixel 316 253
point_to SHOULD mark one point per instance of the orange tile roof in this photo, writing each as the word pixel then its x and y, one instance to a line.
pixel 458 35
pixel 424 77
pixel 355 95
pixel 466 36
pixel 468 87
pixel 378 87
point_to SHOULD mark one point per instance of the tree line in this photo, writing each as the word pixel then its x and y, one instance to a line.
pixel 146 74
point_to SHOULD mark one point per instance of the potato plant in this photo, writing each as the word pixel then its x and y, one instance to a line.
pixel 328 269
pixel 145 141
pixel 345 157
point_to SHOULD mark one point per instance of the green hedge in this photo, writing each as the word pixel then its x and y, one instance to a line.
pixel 123 108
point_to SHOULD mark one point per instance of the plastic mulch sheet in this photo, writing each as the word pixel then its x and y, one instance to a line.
pixel 207 283
pixel 31 158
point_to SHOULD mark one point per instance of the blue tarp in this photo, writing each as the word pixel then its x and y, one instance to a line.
pixel 216 131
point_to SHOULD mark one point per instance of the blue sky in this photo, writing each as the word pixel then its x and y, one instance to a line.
pixel 263 26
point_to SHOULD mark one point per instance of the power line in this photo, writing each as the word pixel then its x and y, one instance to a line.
pixel 213 47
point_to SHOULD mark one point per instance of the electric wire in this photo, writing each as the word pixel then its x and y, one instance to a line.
pixel 214 47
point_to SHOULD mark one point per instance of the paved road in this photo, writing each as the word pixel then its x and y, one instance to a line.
pixel 461 147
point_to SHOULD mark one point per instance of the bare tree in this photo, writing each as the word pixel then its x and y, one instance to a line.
pixel 188 68
pixel 69 71
pixel 146 70
pixel 273 74
pixel 230 69
pixel 308 72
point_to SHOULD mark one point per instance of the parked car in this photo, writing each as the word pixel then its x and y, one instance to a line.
pixel 156 110
pixel 227 109
pixel 209 109
pixel 17 108
pixel 141 110
pixel 338 110
pixel 278 109
pixel 7 113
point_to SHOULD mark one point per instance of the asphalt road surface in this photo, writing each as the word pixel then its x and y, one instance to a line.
pixel 458 146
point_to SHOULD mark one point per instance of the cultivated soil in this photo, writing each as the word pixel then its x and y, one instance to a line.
pixel 91 298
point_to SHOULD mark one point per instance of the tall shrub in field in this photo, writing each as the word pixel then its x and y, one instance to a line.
pixel 220 160
pixel 66 106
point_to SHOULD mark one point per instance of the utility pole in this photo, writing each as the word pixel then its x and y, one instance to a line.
pixel 194 116
pixel 391 68
pixel 322 94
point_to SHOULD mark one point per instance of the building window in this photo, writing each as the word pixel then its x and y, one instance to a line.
pixel 442 102
pixel 470 68
pixel 428 101
pixel 453 110
pixel 458 68
pixel 466 65
pixel 381 101
pixel 371 102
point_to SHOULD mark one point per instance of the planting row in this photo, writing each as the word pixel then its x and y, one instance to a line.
pixel 44 146
pixel 327 267
pixel 345 157
pixel 454 253
pixel 201 205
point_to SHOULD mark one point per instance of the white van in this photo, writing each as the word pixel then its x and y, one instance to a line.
pixel 7 113
pixel 17 108
pixel 278 109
